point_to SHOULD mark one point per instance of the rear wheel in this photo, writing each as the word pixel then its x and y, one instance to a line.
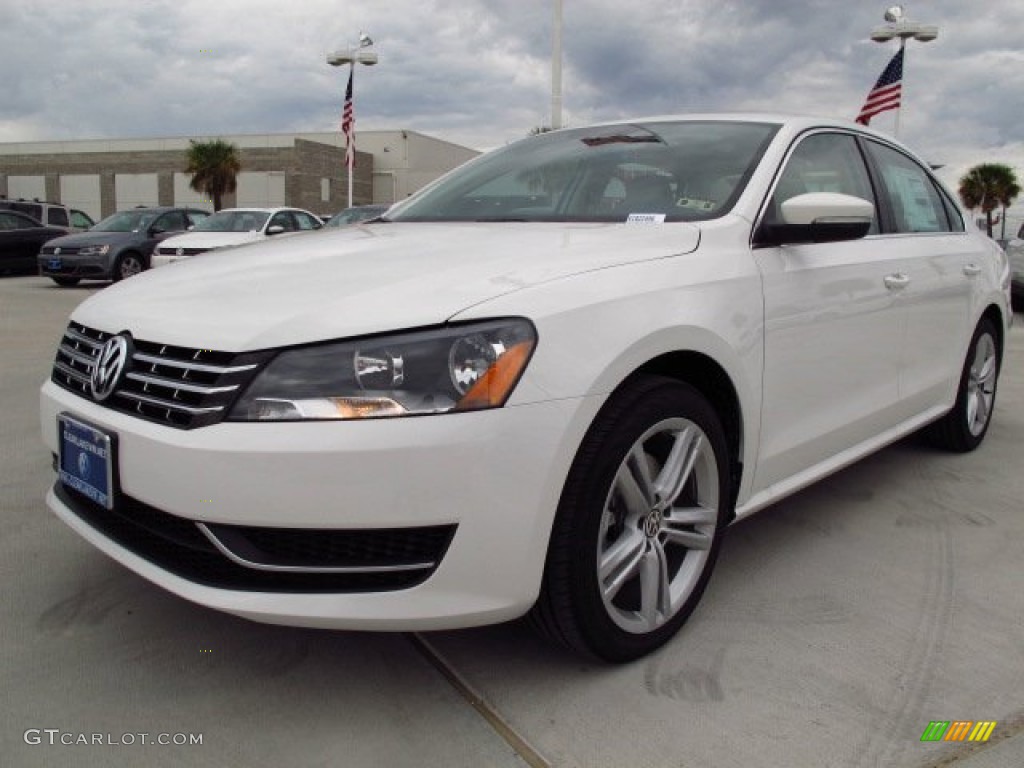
pixel 128 265
pixel 639 523
pixel 65 282
pixel 964 427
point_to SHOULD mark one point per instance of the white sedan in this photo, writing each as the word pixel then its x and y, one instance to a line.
pixel 230 227
pixel 544 385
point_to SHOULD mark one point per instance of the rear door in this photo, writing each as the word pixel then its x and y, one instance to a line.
pixel 940 274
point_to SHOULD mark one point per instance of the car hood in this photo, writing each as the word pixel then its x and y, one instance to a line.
pixel 82 239
pixel 365 279
pixel 210 240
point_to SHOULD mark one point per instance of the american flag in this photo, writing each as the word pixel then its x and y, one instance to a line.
pixel 887 91
pixel 348 127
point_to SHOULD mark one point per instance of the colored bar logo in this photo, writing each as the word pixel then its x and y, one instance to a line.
pixel 958 730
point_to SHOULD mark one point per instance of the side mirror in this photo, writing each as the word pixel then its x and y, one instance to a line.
pixel 819 217
pixel 155 230
pixel 277 229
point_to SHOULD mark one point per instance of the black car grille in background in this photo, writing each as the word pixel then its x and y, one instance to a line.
pixel 171 251
pixel 278 559
pixel 177 386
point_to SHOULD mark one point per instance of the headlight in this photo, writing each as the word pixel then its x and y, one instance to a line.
pixel 458 368
pixel 94 250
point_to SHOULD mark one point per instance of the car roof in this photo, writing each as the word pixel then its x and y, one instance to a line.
pixel 257 209
pixel 796 123
pixel 159 208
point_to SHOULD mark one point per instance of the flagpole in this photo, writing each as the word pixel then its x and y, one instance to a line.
pixel 350 56
pixel 899 110
pixel 898 25
pixel 350 166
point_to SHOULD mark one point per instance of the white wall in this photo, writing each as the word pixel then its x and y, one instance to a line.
pixel 261 189
pixel 185 195
pixel 82 191
pixel 28 187
pixel 132 189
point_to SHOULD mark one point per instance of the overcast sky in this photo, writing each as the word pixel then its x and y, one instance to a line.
pixel 478 72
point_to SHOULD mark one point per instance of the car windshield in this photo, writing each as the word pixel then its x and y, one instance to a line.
pixel 233 221
pixel 126 221
pixel 356 214
pixel 660 171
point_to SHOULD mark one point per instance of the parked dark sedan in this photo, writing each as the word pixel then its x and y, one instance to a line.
pixel 21 238
pixel 117 247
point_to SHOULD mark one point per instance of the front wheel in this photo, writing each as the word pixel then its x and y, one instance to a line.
pixel 964 427
pixel 639 523
pixel 128 265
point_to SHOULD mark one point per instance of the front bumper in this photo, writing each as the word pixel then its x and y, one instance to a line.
pixel 95 267
pixel 494 475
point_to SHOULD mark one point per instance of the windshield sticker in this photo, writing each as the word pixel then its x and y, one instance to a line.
pixel 645 218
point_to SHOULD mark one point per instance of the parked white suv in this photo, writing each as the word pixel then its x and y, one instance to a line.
pixel 51 214
pixel 543 385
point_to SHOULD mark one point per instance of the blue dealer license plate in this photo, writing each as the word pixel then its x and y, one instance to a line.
pixel 86 460
pixel 54 264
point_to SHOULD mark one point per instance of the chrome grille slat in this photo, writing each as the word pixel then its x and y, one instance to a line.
pixel 67 370
pixel 160 381
pixel 78 356
pixel 170 405
pixel 73 334
pixel 204 367
pixel 180 387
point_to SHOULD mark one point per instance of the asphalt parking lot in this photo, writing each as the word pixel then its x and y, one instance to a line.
pixel 837 626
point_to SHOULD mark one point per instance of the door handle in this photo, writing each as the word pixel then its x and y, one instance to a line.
pixel 971 269
pixel 896 281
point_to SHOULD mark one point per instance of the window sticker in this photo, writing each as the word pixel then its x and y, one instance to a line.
pixel 645 218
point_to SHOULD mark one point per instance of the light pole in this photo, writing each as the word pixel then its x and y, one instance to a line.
pixel 556 67
pixel 898 25
pixel 350 56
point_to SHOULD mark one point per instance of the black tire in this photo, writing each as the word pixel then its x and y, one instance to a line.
pixel 601 518
pixel 66 282
pixel 128 264
pixel 964 427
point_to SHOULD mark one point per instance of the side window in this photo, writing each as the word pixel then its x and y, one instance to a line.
pixel 282 219
pixel 916 203
pixel 824 162
pixel 171 222
pixel 306 221
pixel 8 222
pixel 81 220
pixel 195 217
pixel 58 217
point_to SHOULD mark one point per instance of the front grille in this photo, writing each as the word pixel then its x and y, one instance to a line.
pixel 178 386
pixel 65 250
pixel 171 251
pixel 370 560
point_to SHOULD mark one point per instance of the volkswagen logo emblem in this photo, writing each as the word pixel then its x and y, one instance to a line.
pixel 180 252
pixel 652 523
pixel 110 363
pixel 57 249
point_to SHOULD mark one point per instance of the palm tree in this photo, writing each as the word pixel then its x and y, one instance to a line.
pixel 989 186
pixel 214 166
